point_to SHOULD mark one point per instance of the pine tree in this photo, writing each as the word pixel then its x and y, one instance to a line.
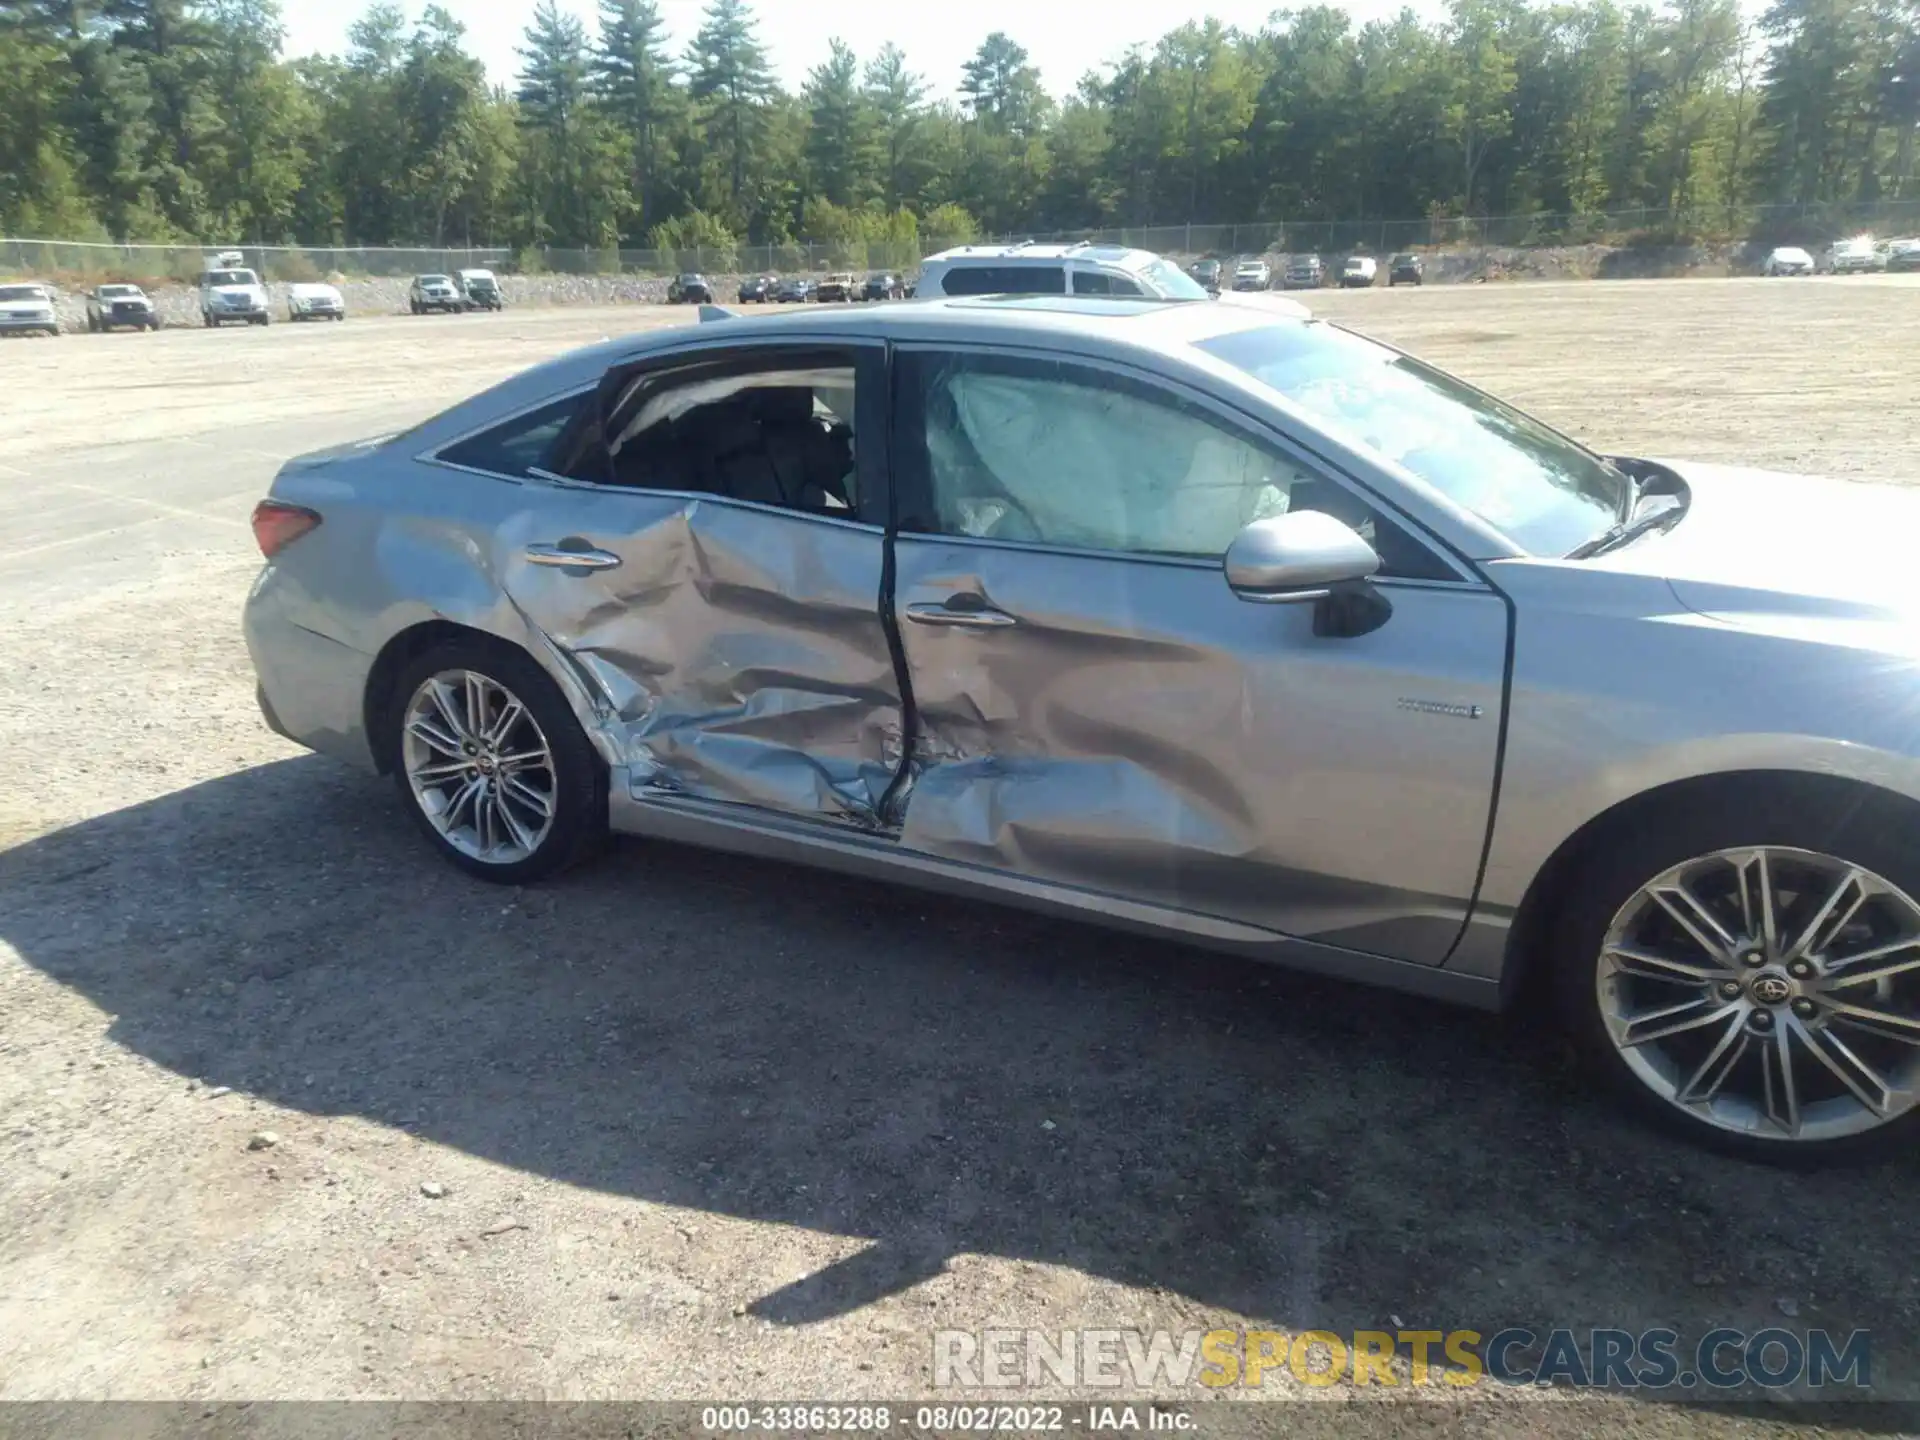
pixel 731 84
pixel 634 77
pixel 839 148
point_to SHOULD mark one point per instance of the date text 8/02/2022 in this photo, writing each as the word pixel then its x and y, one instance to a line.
pixel 945 1419
pixel 1219 1360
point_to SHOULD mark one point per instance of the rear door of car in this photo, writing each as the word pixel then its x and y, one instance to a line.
pixel 1095 707
pixel 734 641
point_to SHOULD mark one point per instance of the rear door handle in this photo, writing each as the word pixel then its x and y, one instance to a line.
pixel 981 619
pixel 571 559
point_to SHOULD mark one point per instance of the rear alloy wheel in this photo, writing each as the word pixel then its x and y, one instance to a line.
pixel 494 764
pixel 1766 998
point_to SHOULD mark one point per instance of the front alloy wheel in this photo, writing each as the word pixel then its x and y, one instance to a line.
pixel 1771 993
pixel 479 767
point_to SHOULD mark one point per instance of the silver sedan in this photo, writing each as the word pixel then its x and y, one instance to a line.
pixel 1204 619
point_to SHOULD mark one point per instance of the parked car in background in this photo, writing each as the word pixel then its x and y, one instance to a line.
pixel 313 301
pixel 689 289
pixel 758 289
pixel 26 308
pixel 1406 268
pixel 440 293
pixel 794 290
pixel 1208 273
pixel 112 307
pixel 1858 256
pixel 1080 269
pixel 1903 255
pixel 482 289
pixel 232 293
pixel 1222 623
pixel 837 287
pixel 1303 272
pixel 1787 260
pixel 1359 272
pixel 1253 273
pixel 884 286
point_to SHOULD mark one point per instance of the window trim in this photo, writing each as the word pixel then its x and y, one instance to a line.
pixel 433 454
pixel 1252 427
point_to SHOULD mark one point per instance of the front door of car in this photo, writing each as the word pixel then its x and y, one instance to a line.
pixel 1095 707
pixel 710 565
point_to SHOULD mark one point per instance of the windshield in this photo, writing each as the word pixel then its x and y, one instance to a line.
pixel 435 280
pixel 22 292
pixel 231 277
pixel 1538 487
pixel 118 292
pixel 1168 280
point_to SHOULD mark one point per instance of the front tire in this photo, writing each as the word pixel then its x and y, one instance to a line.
pixel 493 765
pixel 1749 976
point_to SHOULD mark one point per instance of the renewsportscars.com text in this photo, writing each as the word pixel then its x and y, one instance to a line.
pixel 1217 1360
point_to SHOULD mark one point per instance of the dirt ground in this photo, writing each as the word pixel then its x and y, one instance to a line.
pixel 686 1126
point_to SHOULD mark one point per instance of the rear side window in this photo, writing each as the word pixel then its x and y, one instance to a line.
pixel 522 444
pixel 1005 280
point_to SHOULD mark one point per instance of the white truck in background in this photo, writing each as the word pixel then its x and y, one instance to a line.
pixel 230 291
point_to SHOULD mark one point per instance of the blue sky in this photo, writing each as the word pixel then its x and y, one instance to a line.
pixel 1065 39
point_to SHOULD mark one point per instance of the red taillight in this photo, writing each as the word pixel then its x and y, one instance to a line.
pixel 277 525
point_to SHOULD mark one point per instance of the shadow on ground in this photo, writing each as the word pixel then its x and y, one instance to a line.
pixel 936 1076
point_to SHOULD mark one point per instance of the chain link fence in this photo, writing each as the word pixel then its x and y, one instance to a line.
pixel 75 262
pixel 1759 224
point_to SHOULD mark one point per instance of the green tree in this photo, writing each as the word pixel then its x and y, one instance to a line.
pixel 839 146
pixel 896 99
pixel 731 88
pixel 634 77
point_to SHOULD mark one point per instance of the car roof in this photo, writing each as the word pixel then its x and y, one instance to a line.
pixel 1022 252
pixel 1083 324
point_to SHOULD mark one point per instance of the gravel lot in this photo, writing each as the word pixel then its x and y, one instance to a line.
pixel 688 1126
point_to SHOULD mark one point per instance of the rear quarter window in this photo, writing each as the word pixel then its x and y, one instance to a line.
pixel 1005 280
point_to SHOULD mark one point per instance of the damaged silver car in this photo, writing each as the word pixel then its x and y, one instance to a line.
pixel 1215 622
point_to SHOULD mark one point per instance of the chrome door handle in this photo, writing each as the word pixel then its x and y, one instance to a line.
pixel 571 559
pixel 947 615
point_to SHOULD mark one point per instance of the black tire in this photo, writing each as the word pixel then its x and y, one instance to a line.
pixel 579 827
pixel 1841 822
pixel 206 319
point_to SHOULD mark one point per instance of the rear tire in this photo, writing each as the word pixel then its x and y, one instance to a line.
pixel 505 808
pixel 1605 997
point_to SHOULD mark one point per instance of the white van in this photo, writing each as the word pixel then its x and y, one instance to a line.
pixel 1029 269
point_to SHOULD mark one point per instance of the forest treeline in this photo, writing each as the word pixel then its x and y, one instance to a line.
pixel 182 121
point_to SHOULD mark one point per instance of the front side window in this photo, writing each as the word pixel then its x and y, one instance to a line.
pixel 1538 487
pixel 1103 282
pixel 1005 280
pixel 1054 453
pixel 522 444
pixel 999 447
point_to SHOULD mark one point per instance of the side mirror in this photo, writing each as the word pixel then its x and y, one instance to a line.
pixel 1295 557
pixel 1308 556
